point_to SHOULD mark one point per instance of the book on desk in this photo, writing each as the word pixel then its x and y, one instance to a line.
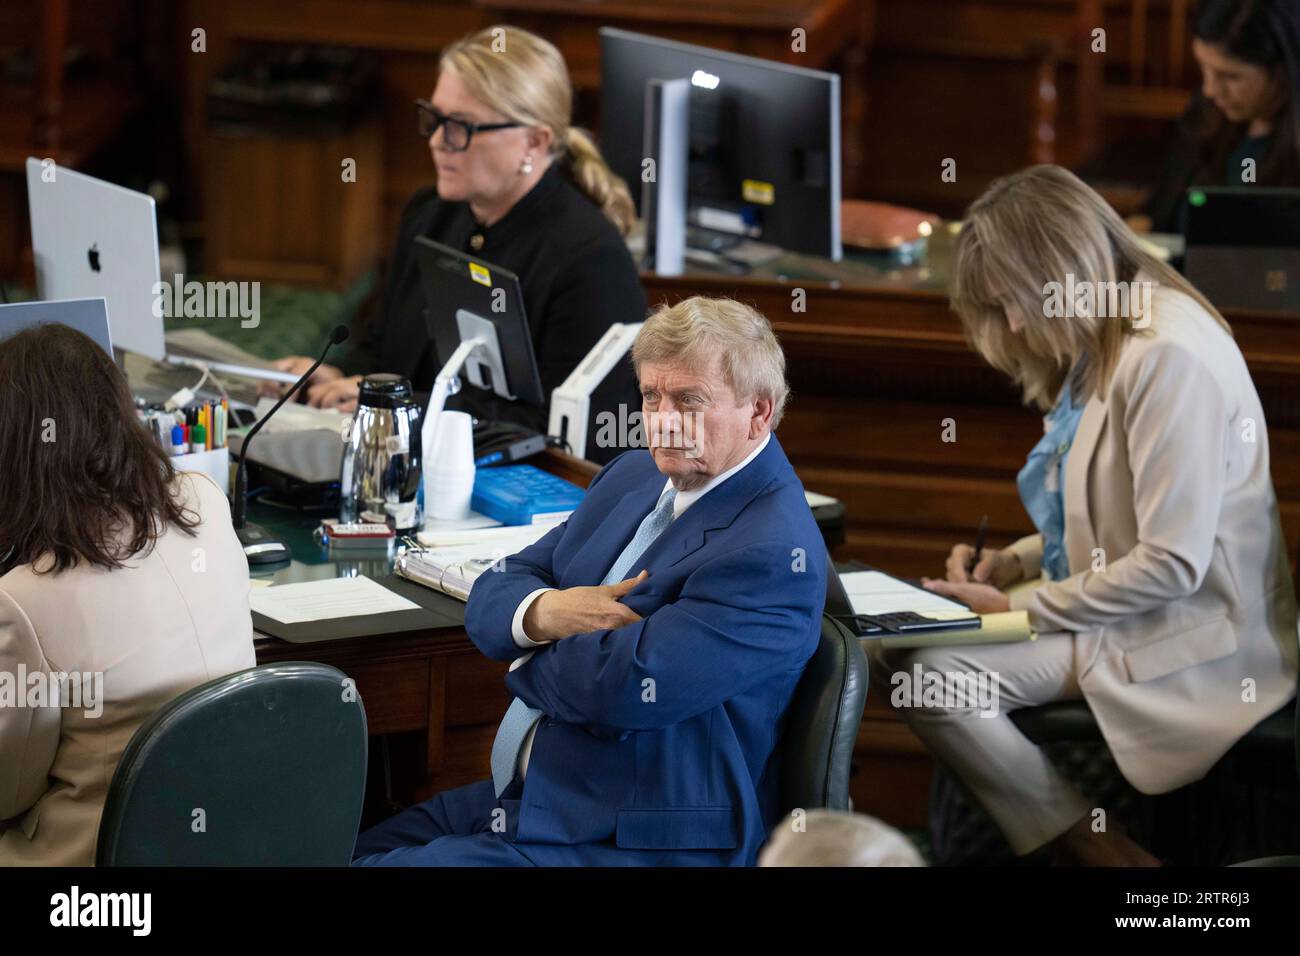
pixel 458 557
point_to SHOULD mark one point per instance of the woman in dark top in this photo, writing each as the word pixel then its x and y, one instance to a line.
pixel 518 187
pixel 1248 106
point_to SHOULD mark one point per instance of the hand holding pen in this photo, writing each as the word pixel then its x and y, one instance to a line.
pixel 1000 568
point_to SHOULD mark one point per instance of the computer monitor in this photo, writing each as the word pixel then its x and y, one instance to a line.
pixel 88 316
pixel 1243 246
pixel 92 239
pixel 471 298
pixel 764 158
pixel 665 200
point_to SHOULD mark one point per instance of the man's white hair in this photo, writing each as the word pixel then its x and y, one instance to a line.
pixel 695 329
pixel 837 838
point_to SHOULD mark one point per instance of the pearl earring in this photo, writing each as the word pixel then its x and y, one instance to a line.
pixel 526 166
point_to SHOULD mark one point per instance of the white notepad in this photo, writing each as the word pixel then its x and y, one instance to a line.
pixel 326 600
pixel 873 593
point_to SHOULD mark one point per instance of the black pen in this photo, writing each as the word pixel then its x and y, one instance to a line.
pixel 980 535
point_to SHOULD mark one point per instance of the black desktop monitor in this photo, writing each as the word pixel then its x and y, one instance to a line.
pixel 468 297
pixel 764 159
pixel 1243 246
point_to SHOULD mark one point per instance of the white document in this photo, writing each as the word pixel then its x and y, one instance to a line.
pixel 326 600
pixel 872 592
pixel 436 529
pixel 507 539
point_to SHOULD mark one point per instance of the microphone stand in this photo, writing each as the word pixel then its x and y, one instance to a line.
pixel 260 546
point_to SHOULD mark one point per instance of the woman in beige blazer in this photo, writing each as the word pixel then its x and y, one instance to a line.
pixel 115 571
pixel 1162 594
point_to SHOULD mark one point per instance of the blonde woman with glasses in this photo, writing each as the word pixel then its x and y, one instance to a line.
pixel 520 187
pixel 1158 582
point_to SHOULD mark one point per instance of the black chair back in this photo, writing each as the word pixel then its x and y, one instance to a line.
pixel 822 723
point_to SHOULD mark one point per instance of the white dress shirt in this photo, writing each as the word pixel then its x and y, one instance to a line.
pixel 683 501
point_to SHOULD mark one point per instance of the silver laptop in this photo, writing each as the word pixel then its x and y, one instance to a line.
pixel 88 316
pixel 91 238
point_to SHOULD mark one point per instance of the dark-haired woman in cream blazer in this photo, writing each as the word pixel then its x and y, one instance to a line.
pixel 115 570
pixel 1162 594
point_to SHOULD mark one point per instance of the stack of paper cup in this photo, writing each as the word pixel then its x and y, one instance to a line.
pixel 449 470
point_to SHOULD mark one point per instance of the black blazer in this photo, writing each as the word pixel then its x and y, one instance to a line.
pixel 577 279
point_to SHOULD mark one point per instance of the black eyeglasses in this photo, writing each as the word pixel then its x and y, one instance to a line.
pixel 455 133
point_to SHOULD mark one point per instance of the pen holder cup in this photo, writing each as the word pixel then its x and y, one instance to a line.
pixel 215 464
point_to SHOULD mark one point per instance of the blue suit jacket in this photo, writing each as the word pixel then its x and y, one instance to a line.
pixel 659 734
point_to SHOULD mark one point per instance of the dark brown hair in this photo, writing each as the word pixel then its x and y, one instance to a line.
pixel 81 478
pixel 1265 33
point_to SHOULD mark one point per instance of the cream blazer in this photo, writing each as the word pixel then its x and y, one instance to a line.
pixel 1179 597
pixel 173 619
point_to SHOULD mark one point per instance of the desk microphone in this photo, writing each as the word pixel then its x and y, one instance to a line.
pixel 260 547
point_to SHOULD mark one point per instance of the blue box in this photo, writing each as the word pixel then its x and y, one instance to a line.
pixel 518 494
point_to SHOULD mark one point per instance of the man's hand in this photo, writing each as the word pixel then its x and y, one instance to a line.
pixel 556 615
pixel 338 393
pixel 296 365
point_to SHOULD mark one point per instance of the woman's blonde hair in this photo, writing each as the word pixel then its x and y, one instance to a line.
pixel 1028 231
pixel 524 78
pixel 697 328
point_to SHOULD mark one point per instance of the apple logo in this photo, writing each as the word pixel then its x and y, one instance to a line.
pixel 93 255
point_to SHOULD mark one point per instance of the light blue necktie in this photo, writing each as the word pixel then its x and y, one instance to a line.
pixel 520 718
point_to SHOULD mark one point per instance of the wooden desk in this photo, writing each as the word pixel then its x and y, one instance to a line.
pixel 433 688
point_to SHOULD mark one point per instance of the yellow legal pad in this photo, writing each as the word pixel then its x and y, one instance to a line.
pixel 1005 627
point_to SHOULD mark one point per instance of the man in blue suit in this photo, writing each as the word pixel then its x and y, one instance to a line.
pixel 657 635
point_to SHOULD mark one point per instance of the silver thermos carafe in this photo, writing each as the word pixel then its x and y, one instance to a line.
pixel 380 477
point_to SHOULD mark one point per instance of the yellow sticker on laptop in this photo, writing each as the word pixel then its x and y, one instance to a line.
pixel 755 190
pixel 480 275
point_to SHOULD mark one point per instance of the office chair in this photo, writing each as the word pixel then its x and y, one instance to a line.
pixel 1259 754
pixel 263 767
pixel 821 725
pixel 1274 736
pixel 1269 754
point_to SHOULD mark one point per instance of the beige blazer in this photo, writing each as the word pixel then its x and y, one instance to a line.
pixel 1179 597
pixel 173 619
